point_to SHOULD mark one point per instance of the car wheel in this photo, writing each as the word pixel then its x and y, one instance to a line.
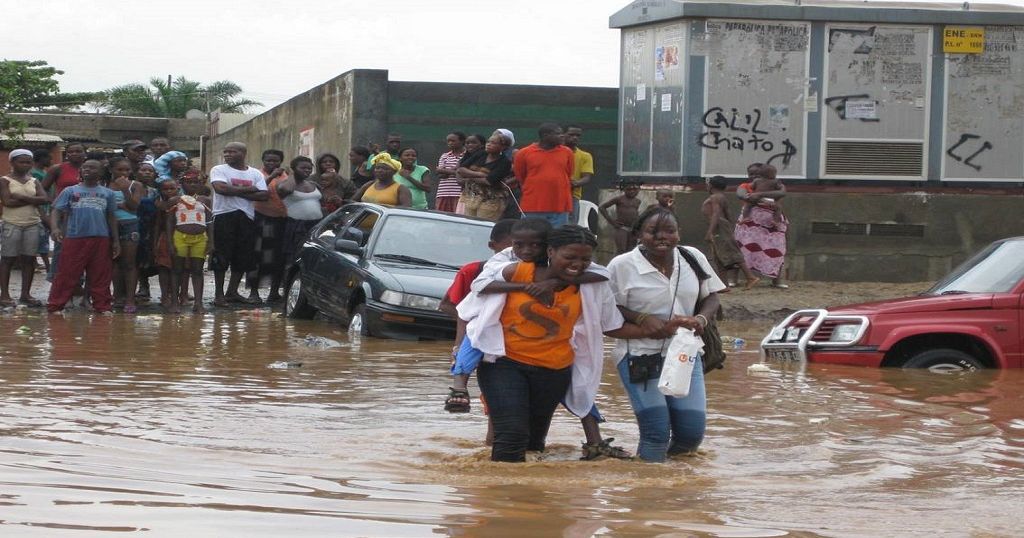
pixel 944 360
pixel 357 323
pixel 296 306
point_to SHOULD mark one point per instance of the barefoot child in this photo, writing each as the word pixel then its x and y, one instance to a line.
pixel 128 194
pixel 529 243
pixel 191 240
pixel 627 207
pixel 724 252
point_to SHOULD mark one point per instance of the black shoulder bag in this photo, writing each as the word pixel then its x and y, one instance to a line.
pixel 714 354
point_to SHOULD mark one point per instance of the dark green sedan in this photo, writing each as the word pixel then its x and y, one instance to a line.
pixel 384 270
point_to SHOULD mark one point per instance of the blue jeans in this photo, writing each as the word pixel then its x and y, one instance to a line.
pixel 556 219
pixel 668 425
pixel 522 399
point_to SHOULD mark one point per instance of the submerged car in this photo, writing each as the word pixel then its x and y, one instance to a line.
pixel 384 270
pixel 970 319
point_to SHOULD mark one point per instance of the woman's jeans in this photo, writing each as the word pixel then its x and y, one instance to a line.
pixel 668 425
pixel 522 399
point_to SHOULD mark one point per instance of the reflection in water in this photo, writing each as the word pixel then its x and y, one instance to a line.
pixel 177 425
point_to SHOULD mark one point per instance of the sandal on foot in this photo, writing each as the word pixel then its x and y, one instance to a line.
pixel 130 309
pixel 31 301
pixel 592 451
pixel 457 401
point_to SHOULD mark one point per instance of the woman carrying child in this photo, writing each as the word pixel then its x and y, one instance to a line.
pixel 539 353
pixel 761 228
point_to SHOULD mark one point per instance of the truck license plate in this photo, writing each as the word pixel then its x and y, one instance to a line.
pixel 782 354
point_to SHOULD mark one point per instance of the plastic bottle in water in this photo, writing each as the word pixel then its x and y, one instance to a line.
pixel 739 343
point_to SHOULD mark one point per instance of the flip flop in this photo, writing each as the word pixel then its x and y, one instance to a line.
pixel 31 301
pixel 130 309
pixel 7 302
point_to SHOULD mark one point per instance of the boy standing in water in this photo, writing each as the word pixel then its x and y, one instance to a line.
pixel 627 208
pixel 84 222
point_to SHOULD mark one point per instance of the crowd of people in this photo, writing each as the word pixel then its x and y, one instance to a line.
pixel 530 320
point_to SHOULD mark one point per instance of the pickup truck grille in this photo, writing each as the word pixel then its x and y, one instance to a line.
pixel 824 332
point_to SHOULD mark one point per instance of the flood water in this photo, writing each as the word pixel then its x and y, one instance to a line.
pixel 179 426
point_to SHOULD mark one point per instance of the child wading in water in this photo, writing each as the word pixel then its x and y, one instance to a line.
pixel 627 208
pixel 529 244
pixel 191 240
pixel 721 228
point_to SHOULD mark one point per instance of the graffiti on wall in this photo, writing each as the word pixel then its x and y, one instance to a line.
pixel 964 145
pixel 749 133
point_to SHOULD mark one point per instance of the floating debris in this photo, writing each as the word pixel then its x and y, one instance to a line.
pixel 320 342
pixel 283 365
pixel 758 368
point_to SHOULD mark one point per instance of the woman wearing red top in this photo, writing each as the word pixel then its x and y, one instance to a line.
pixel 59 177
pixel 65 174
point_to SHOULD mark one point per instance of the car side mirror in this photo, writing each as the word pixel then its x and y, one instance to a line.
pixel 347 246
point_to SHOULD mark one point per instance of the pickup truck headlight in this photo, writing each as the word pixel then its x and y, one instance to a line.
pixel 409 300
pixel 845 332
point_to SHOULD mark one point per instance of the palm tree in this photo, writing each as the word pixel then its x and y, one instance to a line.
pixel 163 100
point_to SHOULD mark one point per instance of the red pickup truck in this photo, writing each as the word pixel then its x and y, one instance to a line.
pixel 970 319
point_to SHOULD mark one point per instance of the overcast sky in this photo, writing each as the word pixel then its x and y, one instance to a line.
pixel 277 49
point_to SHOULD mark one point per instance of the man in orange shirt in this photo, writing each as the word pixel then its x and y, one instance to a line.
pixel 544 169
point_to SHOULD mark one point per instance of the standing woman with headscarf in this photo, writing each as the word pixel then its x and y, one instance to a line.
pixel 384 189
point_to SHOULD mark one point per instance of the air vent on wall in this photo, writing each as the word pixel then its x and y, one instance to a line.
pixel 874 159
pixel 876 229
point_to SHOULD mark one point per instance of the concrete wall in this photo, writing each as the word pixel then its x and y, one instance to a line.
pixel 362 106
pixel 941 230
pixel 324 119
pixel 425 112
pixel 183 134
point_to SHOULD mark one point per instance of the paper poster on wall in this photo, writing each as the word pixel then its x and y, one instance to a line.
pixel 641 92
pixel 778 117
pixel 666 102
pixel 306 143
pixel 811 103
pixel 861 109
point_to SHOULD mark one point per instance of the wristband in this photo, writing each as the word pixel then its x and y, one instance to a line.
pixel 640 319
pixel 699 317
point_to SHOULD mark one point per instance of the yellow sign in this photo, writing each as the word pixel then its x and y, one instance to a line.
pixel 963 39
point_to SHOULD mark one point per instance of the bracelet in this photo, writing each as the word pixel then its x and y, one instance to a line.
pixel 640 319
pixel 699 317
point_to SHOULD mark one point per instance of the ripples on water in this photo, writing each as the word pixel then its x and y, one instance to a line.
pixel 176 425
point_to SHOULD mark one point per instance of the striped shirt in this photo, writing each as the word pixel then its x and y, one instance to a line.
pixel 448 186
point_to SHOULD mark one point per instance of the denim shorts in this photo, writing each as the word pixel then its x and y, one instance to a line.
pixel 128 231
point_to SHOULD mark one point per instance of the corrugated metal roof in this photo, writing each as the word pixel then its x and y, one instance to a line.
pixel 642 12
pixel 34 137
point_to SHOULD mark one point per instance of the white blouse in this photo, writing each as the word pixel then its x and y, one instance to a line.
pixel 640 287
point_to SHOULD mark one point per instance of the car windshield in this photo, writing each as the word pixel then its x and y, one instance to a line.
pixel 997 269
pixel 420 240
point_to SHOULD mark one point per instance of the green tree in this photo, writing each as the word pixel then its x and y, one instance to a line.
pixel 163 100
pixel 30 85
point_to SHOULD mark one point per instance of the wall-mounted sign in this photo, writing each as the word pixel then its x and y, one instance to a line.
pixel 963 39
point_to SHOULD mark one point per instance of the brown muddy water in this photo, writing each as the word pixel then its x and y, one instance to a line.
pixel 180 426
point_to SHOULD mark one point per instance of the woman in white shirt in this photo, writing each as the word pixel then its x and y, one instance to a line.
pixel 654 283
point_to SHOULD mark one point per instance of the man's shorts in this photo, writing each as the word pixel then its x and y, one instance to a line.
pixel 234 242
pixel 19 240
pixel 190 245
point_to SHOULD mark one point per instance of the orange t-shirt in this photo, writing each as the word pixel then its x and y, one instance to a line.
pixel 545 177
pixel 536 334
